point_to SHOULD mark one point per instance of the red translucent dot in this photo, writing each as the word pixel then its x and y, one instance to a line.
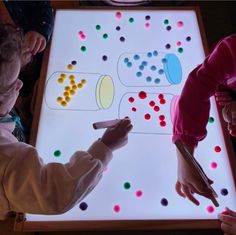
pixel 162 123
pixel 139 193
pixel 162 117
pixel 180 24
pixel 213 165
pixel 160 96
pixel 83 36
pixel 178 43
pixel 152 103
pixel 131 99
pixel 116 208
pixel 156 108
pixel 147 25
pixel 162 101
pixel 81 33
pixel 147 116
pixel 217 149
pixel 134 109
pixel 118 15
pixel 142 95
pixel 210 209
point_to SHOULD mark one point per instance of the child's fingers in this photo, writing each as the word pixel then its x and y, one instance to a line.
pixel 36 46
pixel 178 189
pixel 233 213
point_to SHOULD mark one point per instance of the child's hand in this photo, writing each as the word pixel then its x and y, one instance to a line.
pixel 35 41
pixel 228 221
pixel 229 115
pixel 223 97
pixel 117 136
pixel 189 182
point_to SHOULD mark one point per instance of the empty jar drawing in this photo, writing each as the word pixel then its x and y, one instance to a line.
pixel 79 91
pixel 149 69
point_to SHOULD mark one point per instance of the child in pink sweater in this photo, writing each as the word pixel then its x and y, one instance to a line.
pixel 27 184
pixel 192 113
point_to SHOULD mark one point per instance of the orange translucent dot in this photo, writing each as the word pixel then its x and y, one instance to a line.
pixel 71 77
pixel 70 66
pixel 66 93
pixel 72 82
pixel 72 92
pixel 74 87
pixel 59 99
pixel 63 75
pixel 83 81
pixel 68 99
pixel 60 80
pixel 67 88
pixel 63 103
pixel 80 85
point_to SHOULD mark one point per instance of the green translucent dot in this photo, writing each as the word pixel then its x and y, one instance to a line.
pixel 57 153
pixel 83 48
pixel 131 20
pixel 211 120
pixel 180 50
pixel 105 36
pixel 98 27
pixel 166 21
pixel 127 185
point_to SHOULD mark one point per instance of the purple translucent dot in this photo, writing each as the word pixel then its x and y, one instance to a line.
pixel 224 191
pixel 147 17
pixel 73 62
pixel 168 46
pixel 122 39
pixel 168 28
pixel 83 206
pixel 118 28
pixel 188 38
pixel 164 202
pixel 104 58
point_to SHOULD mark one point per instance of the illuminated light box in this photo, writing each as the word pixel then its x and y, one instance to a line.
pixel 106 64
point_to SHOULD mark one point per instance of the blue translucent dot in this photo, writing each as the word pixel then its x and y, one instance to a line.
pixel 141 67
pixel 164 60
pixel 126 60
pixel 148 79
pixel 139 74
pixel 160 71
pixel 153 67
pixel 149 54
pixel 129 64
pixel 144 63
pixel 136 57
pixel 155 53
pixel 157 80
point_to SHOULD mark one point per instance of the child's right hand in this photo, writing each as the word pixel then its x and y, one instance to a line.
pixel 228 221
pixel 117 136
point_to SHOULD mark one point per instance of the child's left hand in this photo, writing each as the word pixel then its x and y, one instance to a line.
pixel 228 222
pixel 35 41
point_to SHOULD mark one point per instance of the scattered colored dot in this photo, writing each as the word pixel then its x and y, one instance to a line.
pixel 116 208
pixel 73 62
pixel 157 80
pixel 162 117
pixel 162 123
pixel 131 99
pixel 155 53
pixel 63 103
pixel 152 103
pixel 134 109
pixel 149 54
pixel 210 209
pixel 156 108
pixel 142 95
pixel 72 82
pixel 147 25
pixel 63 75
pixel 147 116
pixel 139 74
pixel 136 57
pixel 180 24
pixel 164 202
pixel 105 35
pixel 72 92
pixel 160 71
pixel 153 67
pixel 118 28
pixel 60 80
pixel 162 101
pixel 139 193
pixel 81 32
pixel 66 93
pixel 148 79
pixel 59 99
pixel 122 39
pixel 168 28
pixel 164 60
pixel 224 191
pixel 71 77
pixel 57 153
pixel 118 15
pixel 180 50
pixel 217 149
pixel 80 85
pixel 144 63
pixel 104 57
pixel 188 38
pixel 83 206
pixel 127 185
pixel 68 99
pixel 168 46
pixel 129 64
pixel 141 67
pixel 69 66
pixel 126 60
pixel 131 20
pixel 147 17
pixel 213 165
pixel 211 120
pixel 83 48
pixel 98 27
pixel 83 36
pixel 166 21
pixel 178 43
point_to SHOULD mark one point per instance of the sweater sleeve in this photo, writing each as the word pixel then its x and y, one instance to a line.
pixel 33 187
pixel 193 108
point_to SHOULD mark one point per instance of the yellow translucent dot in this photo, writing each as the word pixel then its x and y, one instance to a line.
pixel 83 81
pixel 80 85
pixel 63 75
pixel 60 80
pixel 71 77
pixel 68 99
pixel 74 87
pixel 63 103
pixel 66 93
pixel 67 88
pixel 70 66
pixel 59 99
pixel 72 92
pixel 72 82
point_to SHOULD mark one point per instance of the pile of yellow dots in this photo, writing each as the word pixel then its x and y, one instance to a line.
pixel 69 90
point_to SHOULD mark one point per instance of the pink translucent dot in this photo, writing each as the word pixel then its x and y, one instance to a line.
pixel 116 208
pixel 118 15
pixel 210 209
pixel 213 165
pixel 147 25
pixel 152 103
pixel 139 193
pixel 156 108
pixel 217 149
pixel 160 96
pixel 83 36
pixel 131 99
pixel 80 33
pixel 162 117
pixel 178 43
pixel 162 101
pixel 134 109
pixel 180 24
pixel 147 116
pixel 142 95
pixel 162 123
